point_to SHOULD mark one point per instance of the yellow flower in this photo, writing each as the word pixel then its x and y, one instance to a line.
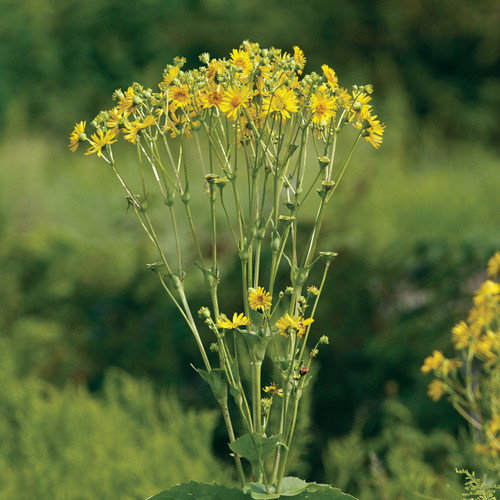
pixel 100 140
pixel 241 59
pixel 323 108
pixel 116 121
pixel 211 97
pixel 169 75
pixel 300 58
pixel 494 424
pixel 330 76
pixel 433 362
pixel 179 96
pixel 259 299
pixel 77 136
pixel 272 389
pixel 135 127
pixel 128 103
pixel 238 320
pixel 234 100
pixel 461 335
pixel 436 390
pixel 372 130
pixel 283 101
pixel 292 324
pixel 213 68
pixel 313 289
pixel 493 269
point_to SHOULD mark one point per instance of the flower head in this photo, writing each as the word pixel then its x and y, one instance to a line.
pixel 259 299
pixel 323 108
pixel 136 126
pixel 433 362
pixel 287 325
pixel 493 268
pixel 235 99
pixel 273 390
pixel 100 140
pixel 77 136
pixel 330 76
pixel 436 390
pixel 283 101
pixel 238 320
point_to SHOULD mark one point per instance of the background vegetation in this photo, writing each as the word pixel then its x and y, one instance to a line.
pixel 414 224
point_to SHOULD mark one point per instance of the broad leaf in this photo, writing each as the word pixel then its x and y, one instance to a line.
pixel 254 448
pixel 200 491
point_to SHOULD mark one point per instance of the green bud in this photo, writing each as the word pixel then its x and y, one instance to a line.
pixel 156 266
pixel 221 182
pixel 204 313
pixel 328 256
pixel 214 347
pixel 323 162
pixel 289 291
pixel 205 57
pixel 286 219
pixel 324 340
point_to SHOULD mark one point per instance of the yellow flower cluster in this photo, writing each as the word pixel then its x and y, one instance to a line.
pixel 253 88
pixel 474 390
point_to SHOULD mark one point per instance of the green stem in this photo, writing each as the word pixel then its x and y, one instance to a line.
pixel 256 396
pixel 232 438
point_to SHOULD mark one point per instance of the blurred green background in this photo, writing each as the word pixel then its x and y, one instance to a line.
pixel 87 337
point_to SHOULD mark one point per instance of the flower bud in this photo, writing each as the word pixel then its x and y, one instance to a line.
pixel 323 162
pixel 204 312
pixel 211 178
pixel 324 340
pixel 205 58
pixel 303 370
pixel 221 182
pixel 214 347
pixel 328 256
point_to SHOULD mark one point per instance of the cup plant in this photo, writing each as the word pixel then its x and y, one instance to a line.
pixel 266 140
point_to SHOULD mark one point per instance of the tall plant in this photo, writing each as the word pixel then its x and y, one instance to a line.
pixel 267 136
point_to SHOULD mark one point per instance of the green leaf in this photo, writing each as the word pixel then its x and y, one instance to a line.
pixel 217 380
pixel 200 491
pixel 258 491
pixel 291 486
pixel 257 344
pixel 323 492
pixel 254 447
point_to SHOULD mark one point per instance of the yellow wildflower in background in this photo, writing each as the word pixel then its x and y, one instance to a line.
pixel 259 299
pixel 433 362
pixel 273 390
pixel 493 268
pixel 461 335
pixel 436 390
